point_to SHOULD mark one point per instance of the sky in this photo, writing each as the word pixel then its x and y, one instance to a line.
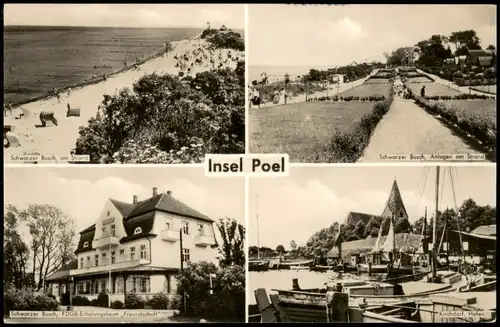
pixel 309 199
pixel 322 35
pixel 126 15
pixel 81 192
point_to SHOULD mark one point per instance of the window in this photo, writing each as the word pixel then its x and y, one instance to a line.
pixel 144 254
pixel 186 255
pixel 85 245
pixel 201 232
pixel 108 213
pixel 96 260
pixel 80 287
pixel 138 230
pixel 167 226
pixel 119 285
pixel 113 257
pixel 132 253
pixel 122 251
pixel 104 229
pixel 144 284
pixel 113 230
pixel 88 260
pixel 81 263
pixel 466 246
pixel 185 227
pixel 138 284
pixel 95 287
pixel 104 286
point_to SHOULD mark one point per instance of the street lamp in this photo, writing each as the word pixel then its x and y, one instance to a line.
pixel 70 293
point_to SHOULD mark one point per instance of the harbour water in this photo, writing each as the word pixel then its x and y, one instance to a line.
pixel 282 279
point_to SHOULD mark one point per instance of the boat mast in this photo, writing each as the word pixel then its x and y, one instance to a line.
pixel 258 242
pixel 434 228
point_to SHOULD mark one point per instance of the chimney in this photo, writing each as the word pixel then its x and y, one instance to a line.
pixel 169 192
pixel 135 199
pixel 155 191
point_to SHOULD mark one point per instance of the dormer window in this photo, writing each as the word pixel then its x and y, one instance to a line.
pixel 138 230
pixel 85 245
pixel 108 213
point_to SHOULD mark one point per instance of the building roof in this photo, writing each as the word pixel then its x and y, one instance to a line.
pixel 395 202
pixel 359 216
pixel 124 208
pixel 144 222
pixel 86 235
pixel 490 230
pixel 167 203
pixel 405 242
pixel 63 272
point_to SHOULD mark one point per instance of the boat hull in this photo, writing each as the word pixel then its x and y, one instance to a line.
pixel 258 266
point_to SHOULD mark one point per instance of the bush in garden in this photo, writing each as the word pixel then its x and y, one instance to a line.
pixel 133 301
pixel 27 300
pixel 94 303
pixel 117 304
pixel 228 299
pixel 102 300
pixel 79 300
pixel 159 301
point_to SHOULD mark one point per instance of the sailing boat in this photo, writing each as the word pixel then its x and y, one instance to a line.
pixel 258 265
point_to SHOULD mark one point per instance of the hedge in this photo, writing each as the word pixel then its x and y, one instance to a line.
pixel 348 147
pixel 463 96
pixel 348 99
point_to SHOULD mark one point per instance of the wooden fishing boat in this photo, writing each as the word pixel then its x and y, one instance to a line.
pixel 258 265
pixel 319 268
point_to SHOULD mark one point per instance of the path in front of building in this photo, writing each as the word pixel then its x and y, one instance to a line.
pixel 409 129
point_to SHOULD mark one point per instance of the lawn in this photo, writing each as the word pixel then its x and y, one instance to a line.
pixel 432 89
pixel 303 130
pixel 492 89
pixel 367 90
pixel 479 109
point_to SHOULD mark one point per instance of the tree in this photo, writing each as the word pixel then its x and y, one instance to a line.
pixel 16 252
pixel 280 249
pixel 52 233
pixel 372 227
pixel 402 225
pixel 465 41
pixel 491 47
pixel 359 229
pixel 232 249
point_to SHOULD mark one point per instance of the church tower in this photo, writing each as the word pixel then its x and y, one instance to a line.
pixel 395 206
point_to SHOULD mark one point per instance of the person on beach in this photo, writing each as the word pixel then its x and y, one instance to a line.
pixel 276 96
pixel 422 92
pixel 69 91
pixel 104 76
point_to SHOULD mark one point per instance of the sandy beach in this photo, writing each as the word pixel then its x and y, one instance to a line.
pixel 60 140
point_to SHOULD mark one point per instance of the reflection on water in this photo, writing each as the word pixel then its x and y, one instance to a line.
pixel 282 279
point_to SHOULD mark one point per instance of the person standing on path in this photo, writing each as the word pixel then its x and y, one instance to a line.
pixel 422 92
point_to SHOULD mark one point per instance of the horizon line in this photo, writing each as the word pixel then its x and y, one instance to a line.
pixel 102 26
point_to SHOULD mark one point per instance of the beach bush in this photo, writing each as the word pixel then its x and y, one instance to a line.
pixel 27 300
pixel 224 39
pixel 169 119
pixel 228 299
pixel 348 147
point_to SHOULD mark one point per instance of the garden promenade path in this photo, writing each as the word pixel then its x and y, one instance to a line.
pixel 462 89
pixel 408 129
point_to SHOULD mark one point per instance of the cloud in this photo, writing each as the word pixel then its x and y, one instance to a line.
pixel 310 199
pixel 83 198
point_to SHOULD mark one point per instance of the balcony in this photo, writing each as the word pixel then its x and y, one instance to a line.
pixel 169 235
pixel 106 268
pixel 106 241
pixel 203 240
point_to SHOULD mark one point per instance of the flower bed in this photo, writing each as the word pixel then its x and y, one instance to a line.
pixel 348 98
pixel 432 89
pixel 348 147
pixel 475 118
